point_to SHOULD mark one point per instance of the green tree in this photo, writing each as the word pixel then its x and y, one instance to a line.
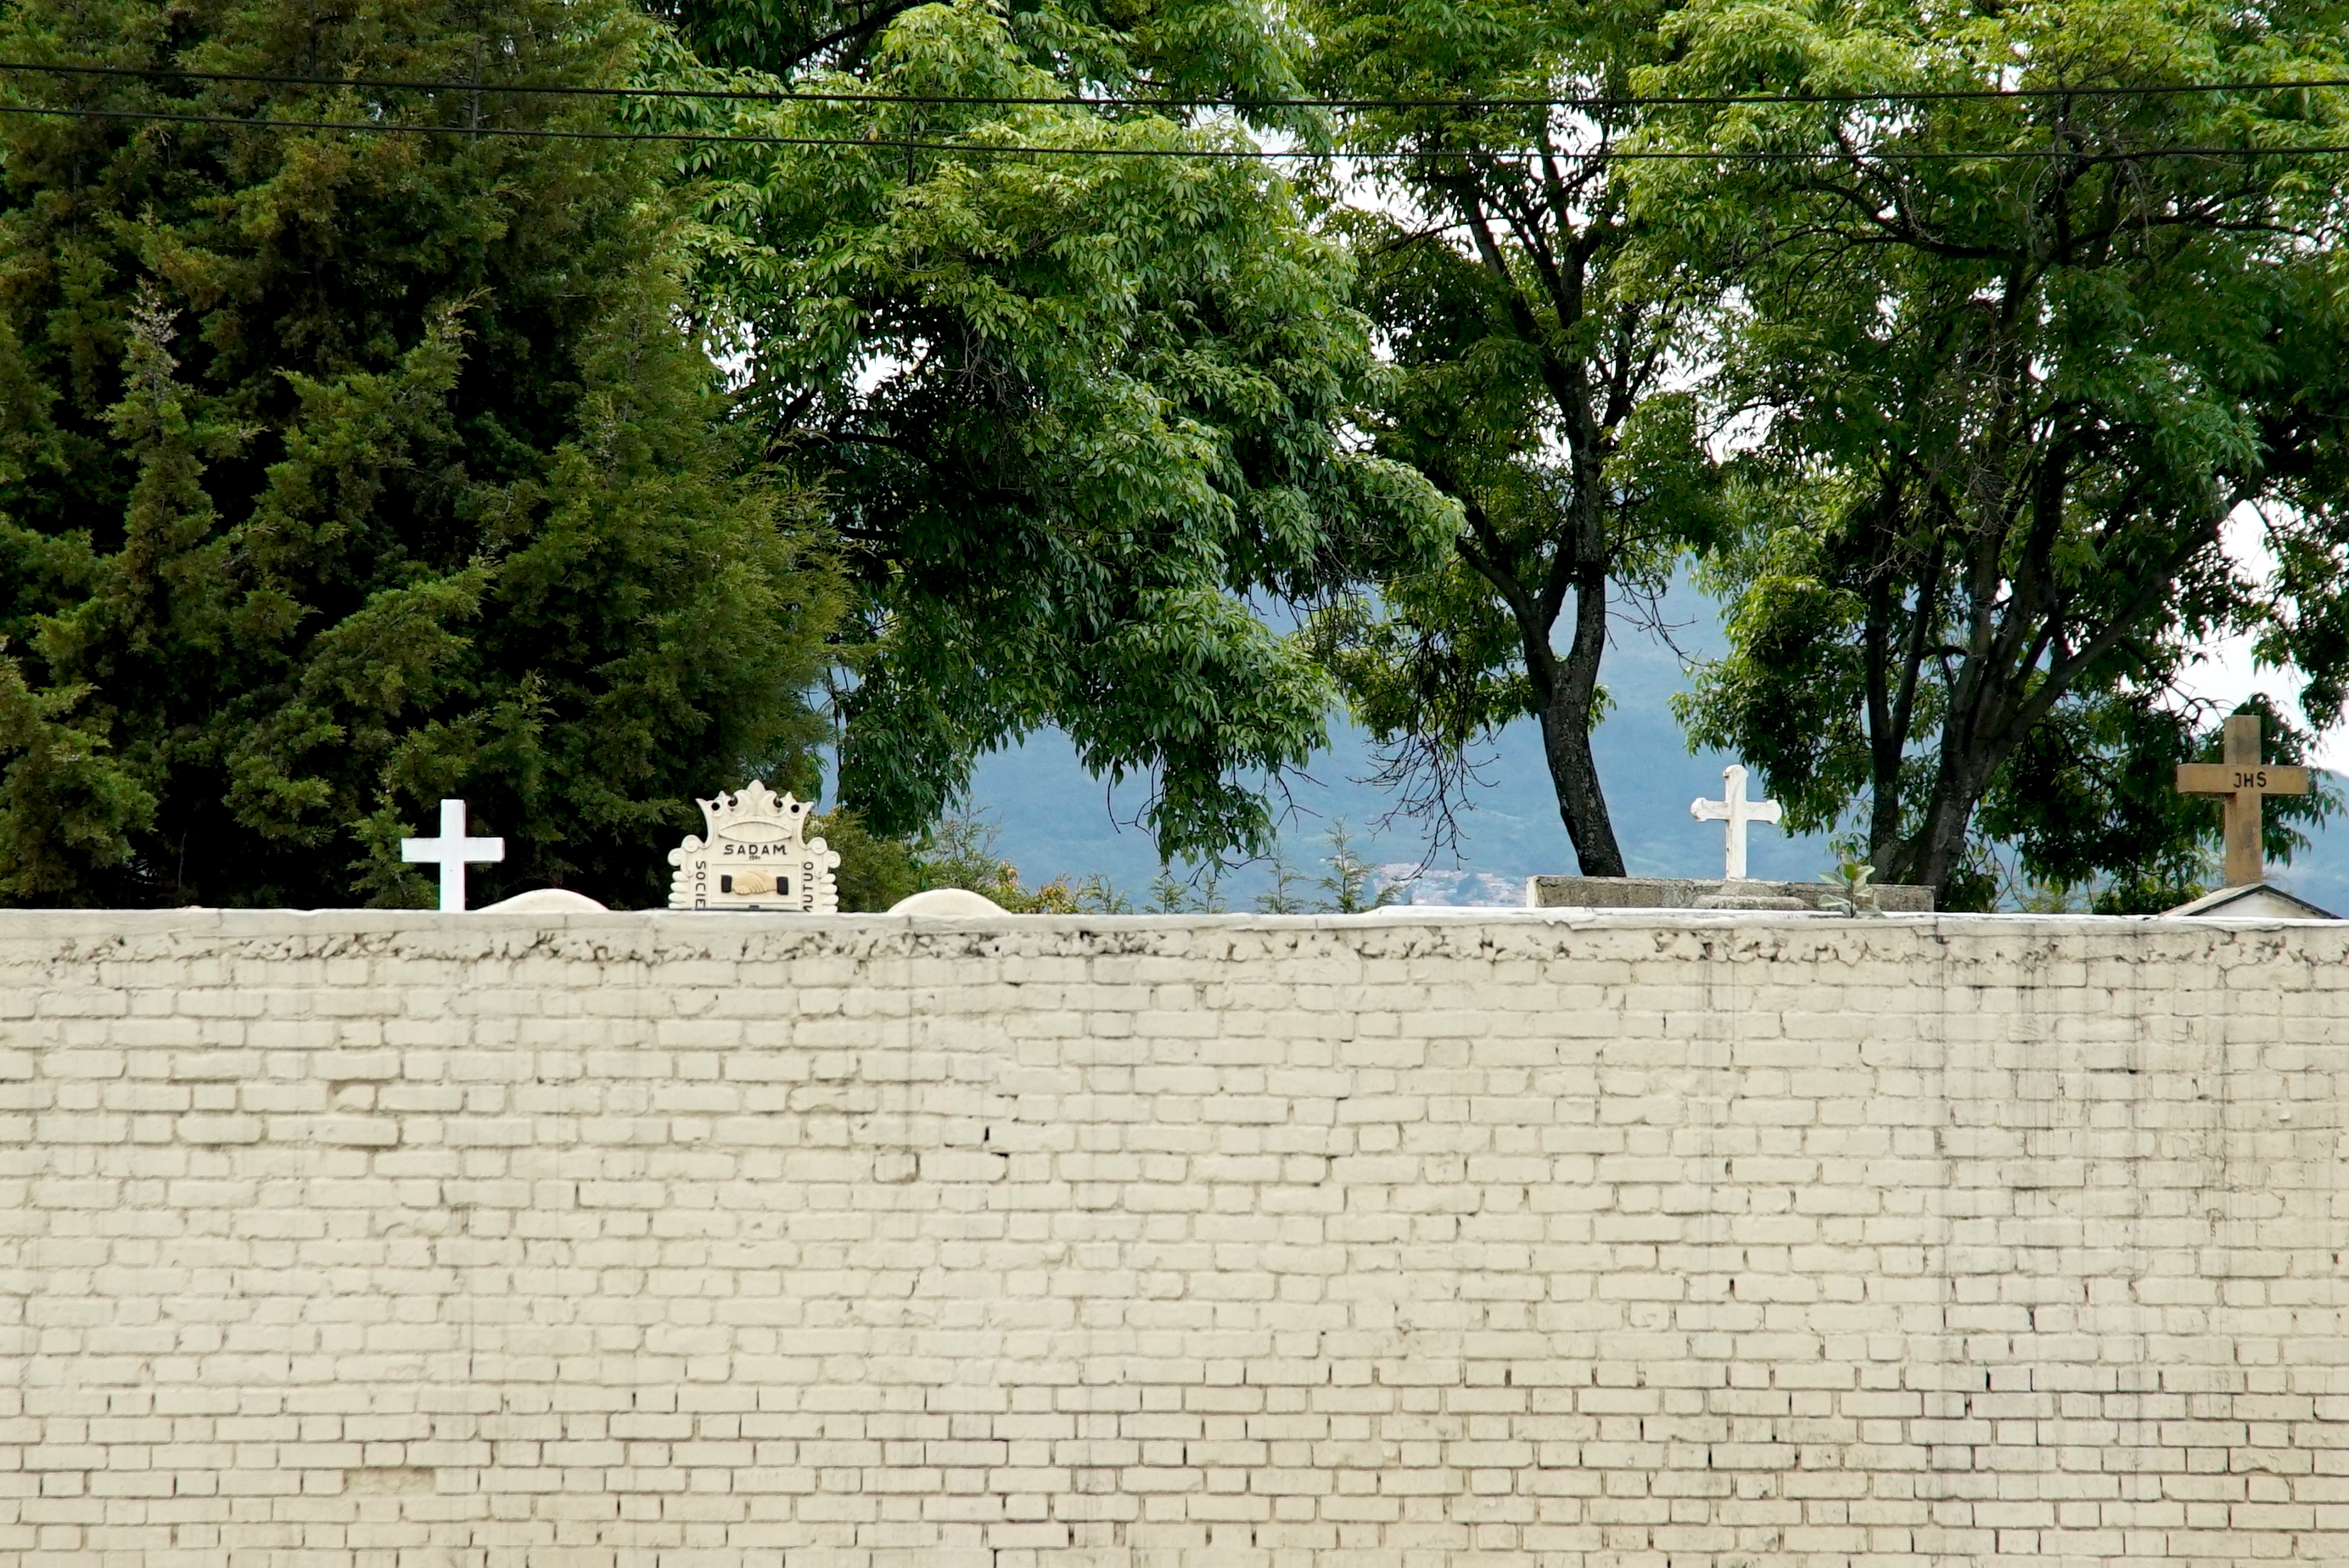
pixel 1071 413
pixel 960 850
pixel 1352 885
pixel 339 472
pixel 1093 893
pixel 2022 360
pixel 1199 894
pixel 1280 895
pixel 1536 356
pixel 874 872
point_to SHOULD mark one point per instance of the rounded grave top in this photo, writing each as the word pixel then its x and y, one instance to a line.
pixel 544 901
pixel 947 901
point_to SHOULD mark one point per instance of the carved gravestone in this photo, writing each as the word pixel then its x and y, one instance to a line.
pixel 757 856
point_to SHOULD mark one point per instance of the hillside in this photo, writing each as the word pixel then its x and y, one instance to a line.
pixel 1054 820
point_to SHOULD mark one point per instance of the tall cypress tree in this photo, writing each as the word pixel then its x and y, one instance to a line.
pixel 341 469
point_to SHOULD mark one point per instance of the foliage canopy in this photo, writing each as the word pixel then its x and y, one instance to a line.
pixel 1535 360
pixel 341 471
pixel 2021 364
pixel 1074 416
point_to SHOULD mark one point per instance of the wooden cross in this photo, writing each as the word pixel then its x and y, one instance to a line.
pixel 2243 780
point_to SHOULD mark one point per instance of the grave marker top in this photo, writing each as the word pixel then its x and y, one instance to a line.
pixel 757 856
pixel 1736 811
pixel 2243 781
pixel 452 850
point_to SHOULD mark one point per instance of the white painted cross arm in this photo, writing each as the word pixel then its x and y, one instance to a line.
pixel 1736 811
pixel 452 850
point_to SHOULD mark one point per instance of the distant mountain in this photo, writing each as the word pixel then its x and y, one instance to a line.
pixel 1056 820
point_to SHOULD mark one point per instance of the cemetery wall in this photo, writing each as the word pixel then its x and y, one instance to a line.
pixel 357 1239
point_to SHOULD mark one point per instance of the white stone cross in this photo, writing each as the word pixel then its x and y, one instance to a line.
pixel 1736 811
pixel 452 850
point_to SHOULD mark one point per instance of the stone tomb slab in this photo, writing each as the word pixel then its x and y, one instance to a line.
pixel 1685 892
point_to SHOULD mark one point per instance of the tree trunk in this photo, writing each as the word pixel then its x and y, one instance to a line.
pixel 1933 855
pixel 1884 743
pixel 1566 742
pixel 1566 734
pixel 1940 844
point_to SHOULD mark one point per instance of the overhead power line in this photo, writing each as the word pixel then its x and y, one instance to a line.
pixel 1464 104
pixel 990 149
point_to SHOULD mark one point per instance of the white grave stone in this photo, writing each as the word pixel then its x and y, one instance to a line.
pixel 949 902
pixel 757 856
pixel 1736 811
pixel 547 901
pixel 452 852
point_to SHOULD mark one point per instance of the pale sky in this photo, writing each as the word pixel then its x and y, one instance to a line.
pixel 2224 672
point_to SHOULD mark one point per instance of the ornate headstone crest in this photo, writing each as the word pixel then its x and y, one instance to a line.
pixel 757 856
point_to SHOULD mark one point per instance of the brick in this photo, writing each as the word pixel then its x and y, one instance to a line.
pixel 1486 1238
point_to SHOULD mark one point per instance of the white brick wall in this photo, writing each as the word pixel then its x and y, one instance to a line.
pixel 369 1239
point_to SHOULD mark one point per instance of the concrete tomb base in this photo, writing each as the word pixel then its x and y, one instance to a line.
pixel 1683 893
